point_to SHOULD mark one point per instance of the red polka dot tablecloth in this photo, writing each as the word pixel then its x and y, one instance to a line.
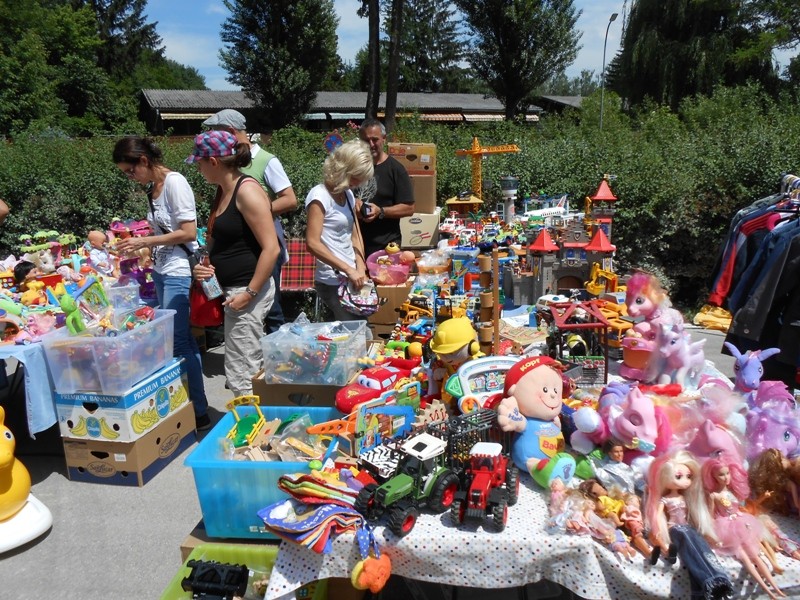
pixel 474 555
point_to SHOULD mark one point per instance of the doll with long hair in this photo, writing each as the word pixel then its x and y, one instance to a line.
pixel 679 522
pixel 774 481
pixel 740 534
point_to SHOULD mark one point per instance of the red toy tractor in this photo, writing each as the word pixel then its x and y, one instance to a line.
pixel 492 485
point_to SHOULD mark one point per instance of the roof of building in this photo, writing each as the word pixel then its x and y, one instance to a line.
pixel 543 243
pixel 600 243
pixel 603 193
pixel 571 101
pixel 446 106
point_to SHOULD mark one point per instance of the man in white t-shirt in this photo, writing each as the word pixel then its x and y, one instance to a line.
pixel 268 170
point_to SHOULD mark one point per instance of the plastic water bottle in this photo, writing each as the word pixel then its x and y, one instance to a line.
pixel 211 287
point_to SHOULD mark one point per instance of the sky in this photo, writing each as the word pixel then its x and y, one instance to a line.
pixel 190 29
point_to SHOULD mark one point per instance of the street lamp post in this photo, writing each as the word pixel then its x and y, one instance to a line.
pixel 603 74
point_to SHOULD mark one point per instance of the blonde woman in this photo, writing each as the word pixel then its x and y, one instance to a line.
pixel 331 234
pixel 243 248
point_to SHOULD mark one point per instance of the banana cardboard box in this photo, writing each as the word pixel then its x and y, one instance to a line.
pixel 131 463
pixel 127 417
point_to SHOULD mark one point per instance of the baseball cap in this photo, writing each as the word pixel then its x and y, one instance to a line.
pixel 227 118
pixel 212 143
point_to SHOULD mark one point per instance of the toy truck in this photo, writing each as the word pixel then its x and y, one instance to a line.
pixel 420 478
pixel 491 485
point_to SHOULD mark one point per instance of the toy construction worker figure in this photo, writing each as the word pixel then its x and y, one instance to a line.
pixel 454 342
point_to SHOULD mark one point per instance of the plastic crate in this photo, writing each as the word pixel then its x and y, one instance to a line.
pixel 109 365
pixel 294 355
pixel 231 492
pixel 258 558
pixel 123 297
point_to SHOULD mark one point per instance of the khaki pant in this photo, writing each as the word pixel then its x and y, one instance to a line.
pixel 243 332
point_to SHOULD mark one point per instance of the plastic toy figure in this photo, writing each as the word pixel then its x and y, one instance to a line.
pixel 748 369
pixel 684 359
pixel 100 258
pixel 633 521
pixel 15 481
pixel 773 423
pixel 740 533
pixel 774 479
pixel 454 342
pixel 679 519
pixel 531 408
pixel 606 506
pixel 612 470
pixel 647 302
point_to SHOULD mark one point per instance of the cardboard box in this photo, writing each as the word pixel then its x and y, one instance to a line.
pixel 395 296
pixel 424 192
pixel 418 159
pixel 127 417
pixel 293 394
pixel 420 230
pixel 131 463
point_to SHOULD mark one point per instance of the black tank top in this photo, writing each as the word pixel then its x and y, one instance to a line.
pixel 235 251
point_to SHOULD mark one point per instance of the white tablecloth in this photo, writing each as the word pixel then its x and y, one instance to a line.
pixel 474 555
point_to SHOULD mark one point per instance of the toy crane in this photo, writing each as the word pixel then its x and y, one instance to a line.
pixel 477 152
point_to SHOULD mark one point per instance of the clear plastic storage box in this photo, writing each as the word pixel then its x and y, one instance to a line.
pixel 319 353
pixel 109 365
pixel 123 297
pixel 231 492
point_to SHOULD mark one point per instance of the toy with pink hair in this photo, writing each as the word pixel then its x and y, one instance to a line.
pixel 648 303
pixel 679 520
pixel 740 534
pixel 628 415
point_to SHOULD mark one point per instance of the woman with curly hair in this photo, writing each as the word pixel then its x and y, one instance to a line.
pixel 332 234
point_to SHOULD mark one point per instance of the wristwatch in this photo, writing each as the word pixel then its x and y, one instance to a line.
pixel 251 292
pixel 381 214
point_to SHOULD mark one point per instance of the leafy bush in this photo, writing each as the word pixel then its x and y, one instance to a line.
pixel 680 177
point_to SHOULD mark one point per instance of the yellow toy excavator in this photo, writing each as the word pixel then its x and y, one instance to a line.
pixel 601 281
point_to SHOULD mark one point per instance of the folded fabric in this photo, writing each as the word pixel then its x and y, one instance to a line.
pixel 309 525
pixel 317 488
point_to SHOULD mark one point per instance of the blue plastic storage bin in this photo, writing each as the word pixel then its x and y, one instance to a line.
pixel 231 492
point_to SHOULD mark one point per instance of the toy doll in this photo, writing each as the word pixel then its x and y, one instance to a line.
pixel 633 521
pixel 739 533
pixel 611 470
pixel 100 258
pixel 530 407
pixel 606 506
pixel 773 479
pixel 678 517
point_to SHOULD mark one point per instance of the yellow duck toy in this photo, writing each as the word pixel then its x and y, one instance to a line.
pixel 15 481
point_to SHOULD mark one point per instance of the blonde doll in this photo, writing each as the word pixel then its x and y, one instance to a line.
pixel 678 517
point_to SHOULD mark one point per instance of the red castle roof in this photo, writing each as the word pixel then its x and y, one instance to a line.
pixel 600 243
pixel 543 243
pixel 603 193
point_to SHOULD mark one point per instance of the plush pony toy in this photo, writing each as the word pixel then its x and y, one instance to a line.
pixel 530 407
pixel 629 416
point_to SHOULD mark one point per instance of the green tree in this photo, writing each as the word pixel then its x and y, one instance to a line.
pixel 584 84
pixel 371 10
pixel 124 33
pixel 279 52
pixel 516 45
pixel 777 23
pixel 677 48
pixel 430 49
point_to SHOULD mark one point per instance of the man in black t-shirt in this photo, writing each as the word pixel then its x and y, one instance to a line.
pixel 391 199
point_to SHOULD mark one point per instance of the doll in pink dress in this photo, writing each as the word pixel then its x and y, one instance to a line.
pixel 679 521
pixel 739 533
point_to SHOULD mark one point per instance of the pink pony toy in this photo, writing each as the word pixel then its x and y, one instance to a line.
pixel 773 423
pixel 683 359
pixel 713 441
pixel 638 424
pixel 648 303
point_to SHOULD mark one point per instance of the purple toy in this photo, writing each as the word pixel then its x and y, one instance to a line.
pixel 749 370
